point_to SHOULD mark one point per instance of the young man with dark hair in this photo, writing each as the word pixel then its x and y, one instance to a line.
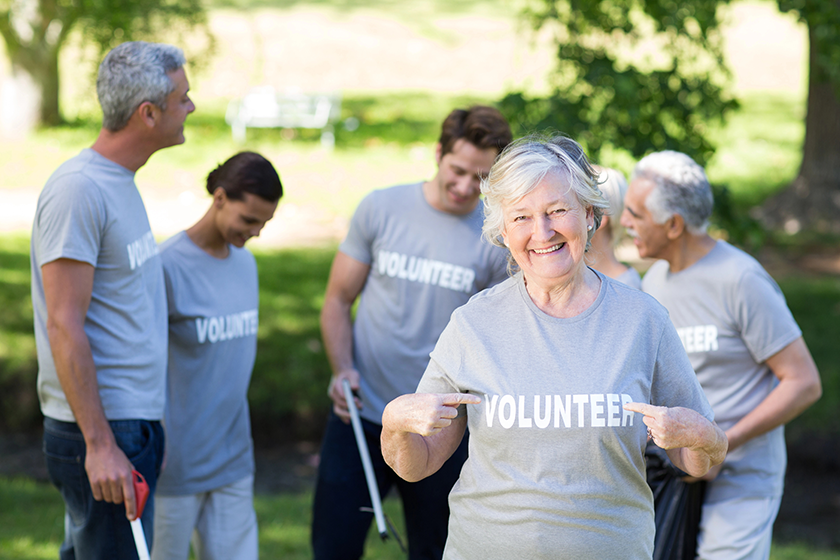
pixel 413 254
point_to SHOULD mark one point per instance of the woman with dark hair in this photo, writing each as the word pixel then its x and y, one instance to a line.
pixel 205 491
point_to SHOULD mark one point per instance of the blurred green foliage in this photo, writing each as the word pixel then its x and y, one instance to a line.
pixel 35 31
pixel 288 394
pixel 823 20
pixel 637 76
pixel 19 409
pixel 815 304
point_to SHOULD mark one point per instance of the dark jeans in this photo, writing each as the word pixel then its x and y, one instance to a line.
pixel 339 528
pixel 98 530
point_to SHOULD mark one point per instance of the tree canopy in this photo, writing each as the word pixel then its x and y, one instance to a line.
pixel 648 75
pixel 34 32
pixel 639 75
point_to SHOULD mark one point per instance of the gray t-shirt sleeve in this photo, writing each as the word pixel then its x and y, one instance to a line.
pixel 631 277
pixel 500 272
pixel 70 221
pixel 363 226
pixel 767 325
pixel 674 382
pixel 444 364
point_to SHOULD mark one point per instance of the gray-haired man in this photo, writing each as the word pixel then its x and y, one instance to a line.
pixel 742 341
pixel 100 306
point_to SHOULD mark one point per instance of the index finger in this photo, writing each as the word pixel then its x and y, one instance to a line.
pixel 450 399
pixel 130 502
pixel 644 408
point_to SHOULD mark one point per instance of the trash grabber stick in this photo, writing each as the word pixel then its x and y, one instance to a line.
pixel 373 488
pixel 141 494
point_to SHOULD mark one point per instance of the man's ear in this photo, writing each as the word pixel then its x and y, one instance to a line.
pixel 438 154
pixel 675 227
pixel 147 113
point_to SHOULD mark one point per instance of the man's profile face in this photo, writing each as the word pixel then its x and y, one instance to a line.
pixel 650 238
pixel 457 185
pixel 178 106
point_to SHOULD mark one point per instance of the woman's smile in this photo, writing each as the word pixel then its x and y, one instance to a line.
pixel 549 249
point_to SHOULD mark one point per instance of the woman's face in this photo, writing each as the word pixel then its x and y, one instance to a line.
pixel 240 220
pixel 546 231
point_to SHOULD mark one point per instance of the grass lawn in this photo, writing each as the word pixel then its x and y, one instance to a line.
pixel 31 527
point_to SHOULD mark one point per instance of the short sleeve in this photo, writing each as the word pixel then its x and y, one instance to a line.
pixel 500 272
pixel 674 381
pixel 170 275
pixel 363 226
pixel 444 364
pixel 69 221
pixel 767 325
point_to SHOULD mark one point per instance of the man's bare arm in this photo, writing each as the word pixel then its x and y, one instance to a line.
pixel 347 278
pixel 68 286
pixel 799 387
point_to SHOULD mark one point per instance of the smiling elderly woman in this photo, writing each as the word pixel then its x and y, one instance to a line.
pixel 548 370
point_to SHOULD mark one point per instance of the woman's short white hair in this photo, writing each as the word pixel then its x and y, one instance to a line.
pixel 613 187
pixel 523 165
pixel 680 187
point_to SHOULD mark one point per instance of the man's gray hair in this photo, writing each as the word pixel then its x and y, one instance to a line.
pixel 521 167
pixel 133 73
pixel 680 187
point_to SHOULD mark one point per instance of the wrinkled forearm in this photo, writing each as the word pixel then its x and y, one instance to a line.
pixel 406 453
pixel 413 456
pixel 709 450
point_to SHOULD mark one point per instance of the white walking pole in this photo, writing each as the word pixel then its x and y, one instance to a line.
pixel 373 488
pixel 141 493
pixel 140 539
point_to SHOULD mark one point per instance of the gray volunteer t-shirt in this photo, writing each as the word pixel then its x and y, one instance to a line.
pixel 213 321
pixel 631 278
pixel 731 316
pixel 90 211
pixel 556 466
pixel 424 264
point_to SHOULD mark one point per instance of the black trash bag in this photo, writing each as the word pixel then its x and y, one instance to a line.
pixel 677 507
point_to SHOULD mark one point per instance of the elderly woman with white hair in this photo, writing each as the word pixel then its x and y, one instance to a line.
pixel 548 370
pixel 609 234
pixel 741 339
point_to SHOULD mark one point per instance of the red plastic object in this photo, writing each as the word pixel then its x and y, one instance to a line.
pixel 141 492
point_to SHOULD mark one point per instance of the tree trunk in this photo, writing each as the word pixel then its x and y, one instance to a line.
pixel 47 80
pixel 41 66
pixel 812 202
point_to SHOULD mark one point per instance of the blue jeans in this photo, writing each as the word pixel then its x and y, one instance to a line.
pixel 339 528
pixel 98 530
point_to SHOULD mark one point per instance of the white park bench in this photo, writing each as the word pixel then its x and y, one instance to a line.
pixel 264 107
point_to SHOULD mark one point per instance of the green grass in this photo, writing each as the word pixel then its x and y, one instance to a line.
pixel 288 388
pixel 760 147
pixel 758 153
pixel 31 526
